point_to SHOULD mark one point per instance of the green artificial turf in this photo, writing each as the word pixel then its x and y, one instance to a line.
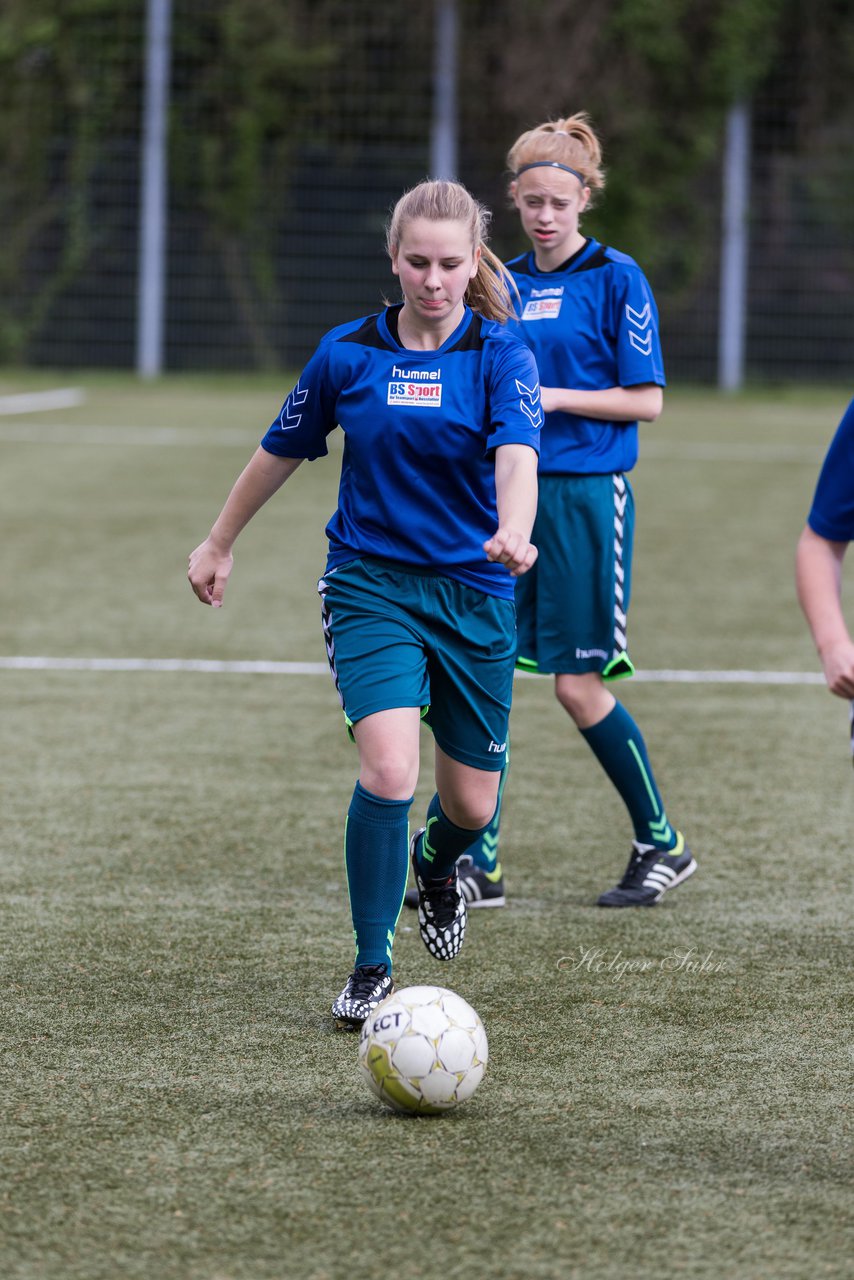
pixel 669 1090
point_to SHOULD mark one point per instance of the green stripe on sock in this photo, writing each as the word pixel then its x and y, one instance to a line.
pixel 646 782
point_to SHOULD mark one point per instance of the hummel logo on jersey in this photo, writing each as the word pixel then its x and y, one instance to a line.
pixel 411 389
pixel 643 345
pixel 298 396
pixel 497 747
pixel 641 320
pixel 530 403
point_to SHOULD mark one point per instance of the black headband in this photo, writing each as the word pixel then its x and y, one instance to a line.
pixel 552 164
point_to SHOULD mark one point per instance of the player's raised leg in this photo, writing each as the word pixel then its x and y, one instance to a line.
pixel 458 814
pixel 481 876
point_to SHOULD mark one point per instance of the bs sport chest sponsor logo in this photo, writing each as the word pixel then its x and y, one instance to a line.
pixel 543 304
pixel 640 334
pixel 419 387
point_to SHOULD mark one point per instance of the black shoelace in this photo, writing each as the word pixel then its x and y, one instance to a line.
pixel 443 900
pixel 366 978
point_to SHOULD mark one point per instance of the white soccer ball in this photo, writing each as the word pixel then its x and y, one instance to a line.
pixel 423 1050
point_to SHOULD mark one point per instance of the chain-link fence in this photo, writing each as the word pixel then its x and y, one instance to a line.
pixel 293 126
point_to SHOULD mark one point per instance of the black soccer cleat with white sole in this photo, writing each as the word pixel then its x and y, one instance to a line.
pixel 650 874
pixel 441 910
pixel 367 985
pixel 480 888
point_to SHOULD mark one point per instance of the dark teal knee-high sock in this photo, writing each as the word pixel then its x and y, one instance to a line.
pixel 442 844
pixel 375 851
pixel 619 747
pixel 484 852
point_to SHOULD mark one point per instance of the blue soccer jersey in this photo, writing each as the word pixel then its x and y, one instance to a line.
pixel 832 513
pixel 592 324
pixel 420 427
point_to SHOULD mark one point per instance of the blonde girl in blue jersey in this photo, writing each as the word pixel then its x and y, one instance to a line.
pixel 590 318
pixel 439 406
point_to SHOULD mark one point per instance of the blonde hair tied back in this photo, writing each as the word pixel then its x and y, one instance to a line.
pixel 570 142
pixel 491 290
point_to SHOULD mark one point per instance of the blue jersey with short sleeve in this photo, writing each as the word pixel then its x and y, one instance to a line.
pixel 832 513
pixel 592 324
pixel 420 429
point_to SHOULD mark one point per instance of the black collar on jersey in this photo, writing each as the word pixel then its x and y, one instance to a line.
pixel 392 315
pixel 564 266
pixel 469 340
pixel 368 333
pixel 526 263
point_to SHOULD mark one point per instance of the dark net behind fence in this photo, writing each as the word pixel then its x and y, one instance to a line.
pixel 293 126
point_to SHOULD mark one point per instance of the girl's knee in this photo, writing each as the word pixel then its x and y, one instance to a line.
pixel 585 698
pixel 391 778
pixel 571 697
pixel 471 812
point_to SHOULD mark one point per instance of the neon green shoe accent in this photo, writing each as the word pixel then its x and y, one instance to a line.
pixel 619 668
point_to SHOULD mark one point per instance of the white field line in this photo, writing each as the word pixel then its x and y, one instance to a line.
pixel 729 451
pixel 217 667
pixel 171 437
pixel 56 433
pixel 39 401
pixel 165 664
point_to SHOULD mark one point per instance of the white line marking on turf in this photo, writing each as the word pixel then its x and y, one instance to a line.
pixel 165 664
pixel 39 401
pixel 733 451
pixel 729 677
pixel 223 667
pixel 57 433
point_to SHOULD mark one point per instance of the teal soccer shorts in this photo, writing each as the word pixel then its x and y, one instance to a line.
pixel 397 637
pixel 572 605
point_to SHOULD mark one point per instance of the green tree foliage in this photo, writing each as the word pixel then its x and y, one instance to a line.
pixel 656 76
pixel 253 82
pixel 257 85
pixel 64 95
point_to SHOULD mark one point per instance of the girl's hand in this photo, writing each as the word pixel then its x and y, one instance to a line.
pixel 508 546
pixel 838 663
pixel 210 566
